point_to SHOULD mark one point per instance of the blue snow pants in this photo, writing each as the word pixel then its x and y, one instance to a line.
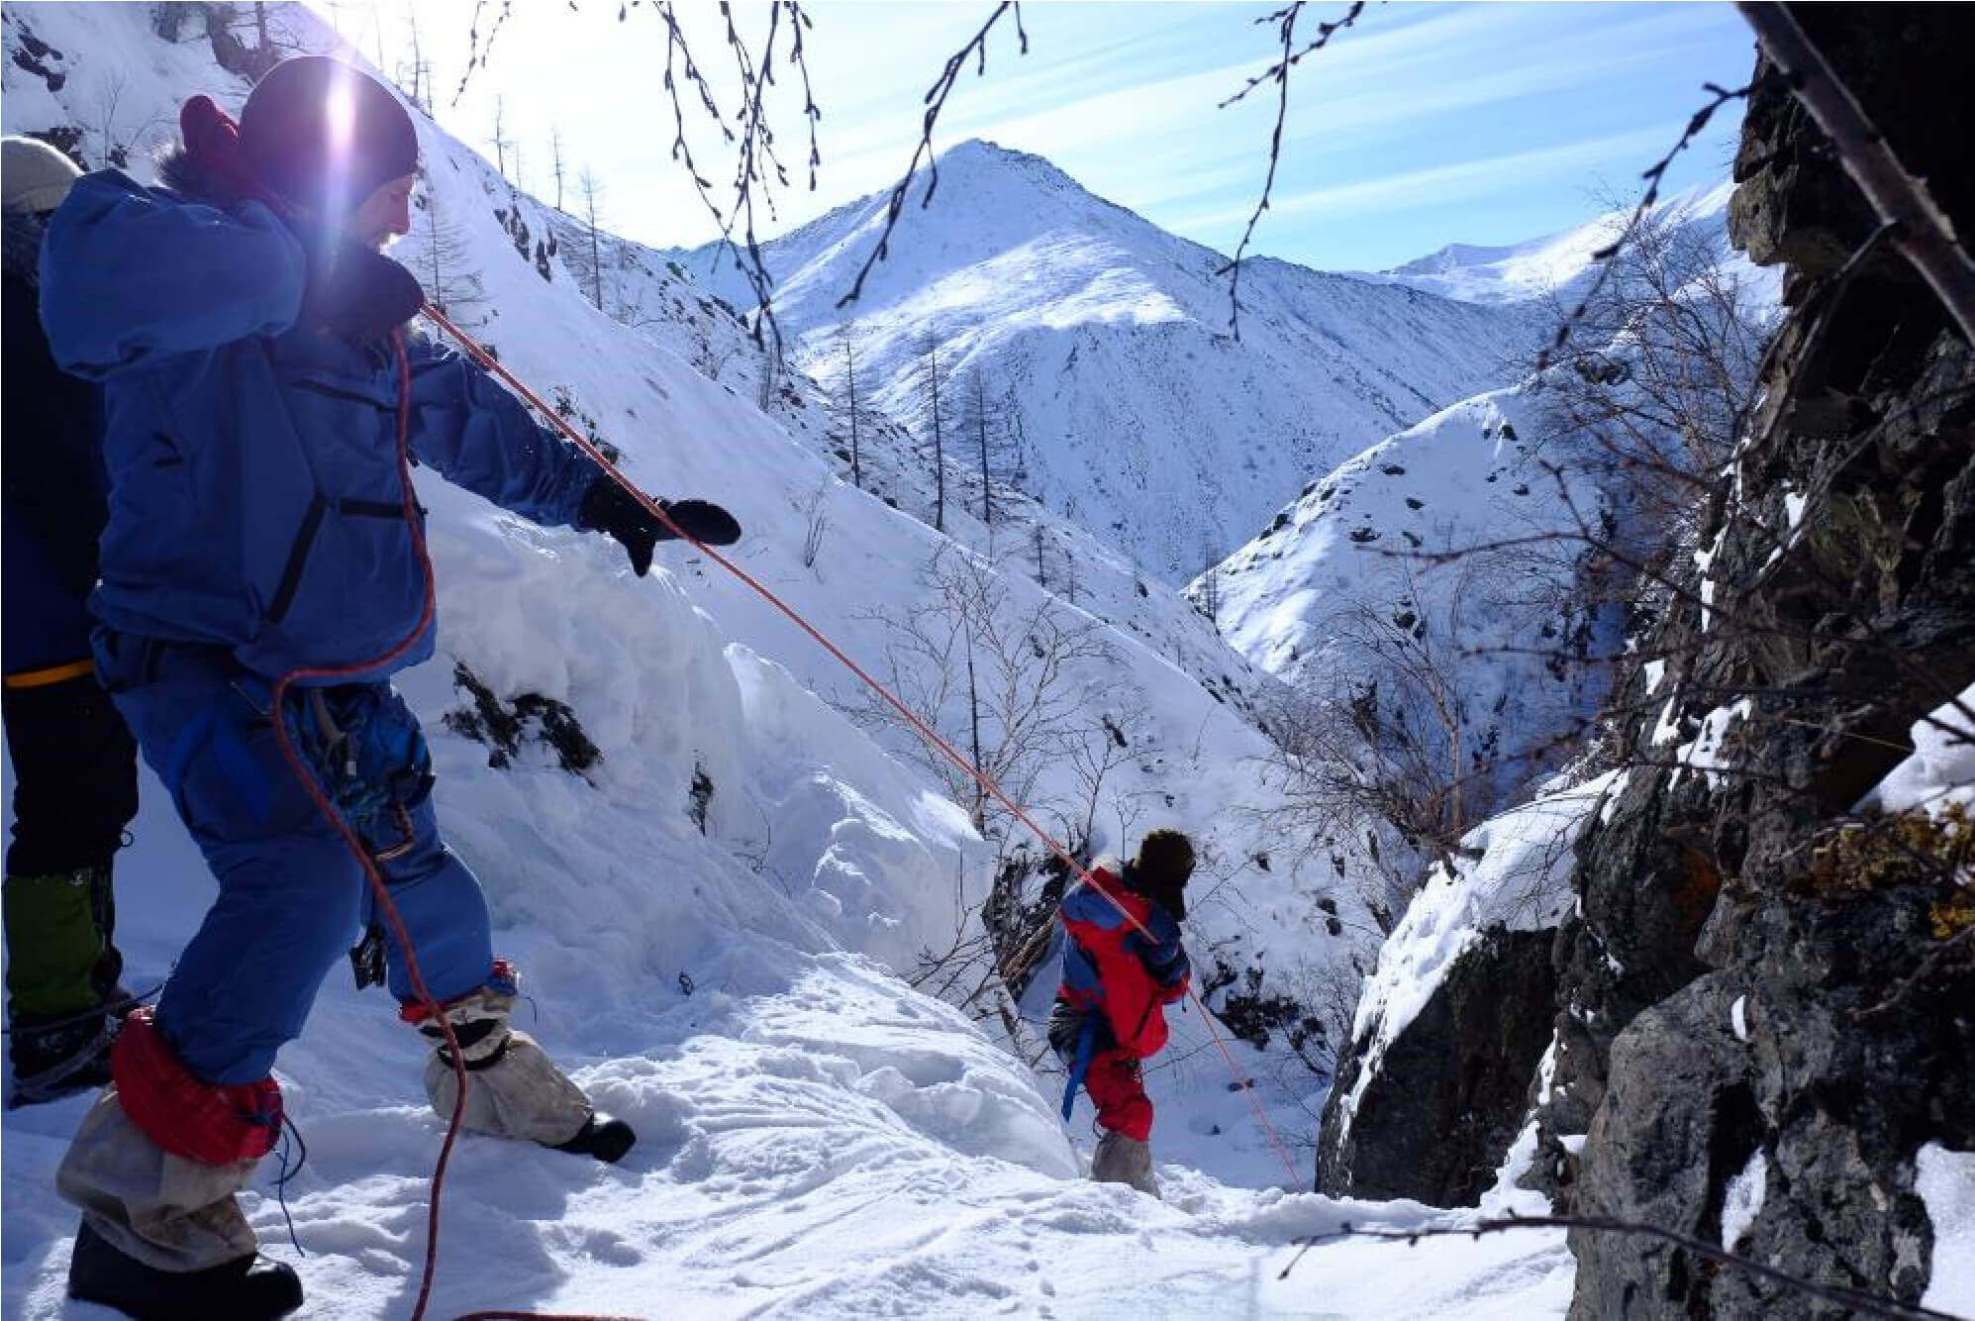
pixel 292 897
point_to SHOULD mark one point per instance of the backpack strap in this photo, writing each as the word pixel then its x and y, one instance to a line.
pixel 1080 1065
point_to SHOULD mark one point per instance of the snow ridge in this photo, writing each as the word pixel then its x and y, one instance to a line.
pixel 1556 266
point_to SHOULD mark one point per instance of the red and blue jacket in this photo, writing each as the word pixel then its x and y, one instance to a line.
pixel 1122 964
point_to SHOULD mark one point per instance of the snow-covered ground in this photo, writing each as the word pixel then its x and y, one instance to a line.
pixel 818 1137
pixel 817 1140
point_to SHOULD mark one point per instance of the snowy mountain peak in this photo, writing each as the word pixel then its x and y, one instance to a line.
pixel 1129 408
pixel 1555 263
pixel 987 156
pixel 1002 178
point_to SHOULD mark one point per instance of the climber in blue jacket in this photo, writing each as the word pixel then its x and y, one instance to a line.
pixel 249 336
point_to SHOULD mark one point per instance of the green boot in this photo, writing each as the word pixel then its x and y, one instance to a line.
pixel 61 968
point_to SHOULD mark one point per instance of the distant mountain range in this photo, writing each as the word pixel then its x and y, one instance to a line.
pixel 1556 263
pixel 1133 409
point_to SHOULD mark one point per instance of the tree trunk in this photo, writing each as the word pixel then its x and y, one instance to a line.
pixel 850 376
pixel 939 445
pixel 974 713
pixel 596 262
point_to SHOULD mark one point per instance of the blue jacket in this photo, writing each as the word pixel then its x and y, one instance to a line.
pixel 255 500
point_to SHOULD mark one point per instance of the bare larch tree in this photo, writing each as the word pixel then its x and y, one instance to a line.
pixel 931 377
pixel 555 161
pixel 500 140
pixel 451 285
pixel 851 413
pixel 588 183
pixel 983 421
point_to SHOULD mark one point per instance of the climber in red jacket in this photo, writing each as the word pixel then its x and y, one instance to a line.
pixel 1122 963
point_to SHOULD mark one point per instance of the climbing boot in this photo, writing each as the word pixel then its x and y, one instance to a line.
pixel 247 1288
pixel 156 1168
pixel 58 1059
pixel 603 1137
pixel 514 1090
pixel 1121 1159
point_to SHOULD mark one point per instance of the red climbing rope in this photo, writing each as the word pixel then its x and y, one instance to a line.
pixel 378 889
pixel 355 843
pixel 918 725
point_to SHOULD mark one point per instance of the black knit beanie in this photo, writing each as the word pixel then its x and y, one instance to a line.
pixel 1160 872
pixel 325 136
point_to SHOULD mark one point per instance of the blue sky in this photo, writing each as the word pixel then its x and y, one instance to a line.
pixel 1425 124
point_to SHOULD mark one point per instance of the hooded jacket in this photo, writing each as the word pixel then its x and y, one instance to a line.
pixel 255 498
pixel 1113 970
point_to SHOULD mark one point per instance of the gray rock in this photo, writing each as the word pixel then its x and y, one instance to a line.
pixel 1837 935
pixel 1436 1119
pixel 1834 934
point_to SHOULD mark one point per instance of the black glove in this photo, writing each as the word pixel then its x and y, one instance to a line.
pixel 609 508
pixel 356 293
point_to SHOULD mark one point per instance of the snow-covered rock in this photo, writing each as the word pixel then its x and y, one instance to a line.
pixel 1941 771
pixel 1945 1181
pixel 1455 1016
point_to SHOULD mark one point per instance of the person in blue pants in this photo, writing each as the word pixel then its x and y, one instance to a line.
pixel 248 333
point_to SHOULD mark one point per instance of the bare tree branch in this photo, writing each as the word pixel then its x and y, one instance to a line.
pixel 758 170
pixel 476 53
pixel 1278 73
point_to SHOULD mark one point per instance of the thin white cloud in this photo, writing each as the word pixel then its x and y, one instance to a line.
pixel 1463 180
pixel 1115 94
pixel 1333 109
pixel 1075 118
pixel 1350 122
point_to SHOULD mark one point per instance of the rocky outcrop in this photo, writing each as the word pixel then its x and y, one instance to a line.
pixel 1457 1014
pixel 1777 1063
pixel 1445 1099
pixel 1766 1000
pixel 1629 945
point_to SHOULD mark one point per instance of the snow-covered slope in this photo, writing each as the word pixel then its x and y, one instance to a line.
pixel 1455 564
pixel 1556 264
pixel 710 914
pixel 1340 594
pixel 1139 416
